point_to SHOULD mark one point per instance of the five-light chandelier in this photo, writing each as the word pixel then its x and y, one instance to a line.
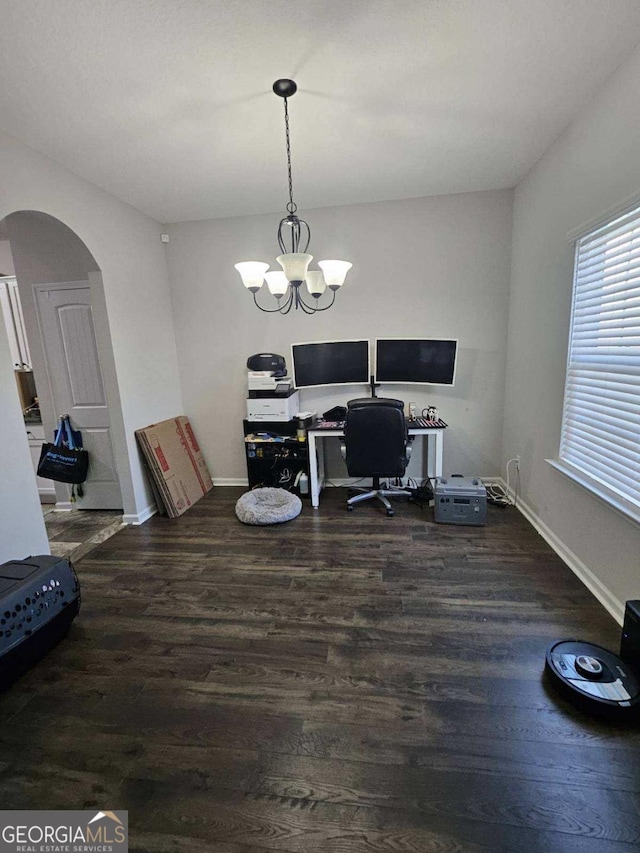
pixel 294 235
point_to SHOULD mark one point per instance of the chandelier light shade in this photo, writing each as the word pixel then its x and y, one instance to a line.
pixel 295 265
pixel 277 282
pixel 316 285
pixel 334 272
pixel 294 236
pixel 252 274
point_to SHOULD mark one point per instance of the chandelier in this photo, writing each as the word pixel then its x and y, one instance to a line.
pixel 294 235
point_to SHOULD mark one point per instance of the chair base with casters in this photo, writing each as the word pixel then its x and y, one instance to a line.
pixel 376 492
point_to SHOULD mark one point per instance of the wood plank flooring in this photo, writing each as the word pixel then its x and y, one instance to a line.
pixel 339 684
pixel 73 534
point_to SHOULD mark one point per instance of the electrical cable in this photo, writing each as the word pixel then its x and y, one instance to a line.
pixel 345 485
pixel 421 493
pixel 284 476
pixel 500 495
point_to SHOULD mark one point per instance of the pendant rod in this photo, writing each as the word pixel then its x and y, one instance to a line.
pixel 291 207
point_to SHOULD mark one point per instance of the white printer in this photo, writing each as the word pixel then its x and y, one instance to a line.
pixel 262 382
pixel 271 395
pixel 276 408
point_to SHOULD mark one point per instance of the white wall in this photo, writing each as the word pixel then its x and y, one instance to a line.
pixel 22 530
pixel 431 267
pixel 6 259
pixel 592 167
pixel 127 248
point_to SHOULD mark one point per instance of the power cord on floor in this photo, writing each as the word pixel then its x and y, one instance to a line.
pixel 421 493
pixel 499 495
pixel 345 485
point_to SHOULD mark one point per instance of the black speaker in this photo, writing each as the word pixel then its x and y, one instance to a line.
pixel 268 361
pixel 630 640
pixel 39 599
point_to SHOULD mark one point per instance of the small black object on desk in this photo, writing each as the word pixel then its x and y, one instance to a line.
pixel 337 413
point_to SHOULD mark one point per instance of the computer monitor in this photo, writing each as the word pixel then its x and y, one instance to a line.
pixel 415 360
pixel 331 363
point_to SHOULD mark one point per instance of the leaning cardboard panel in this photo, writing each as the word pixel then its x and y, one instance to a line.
pixel 178 471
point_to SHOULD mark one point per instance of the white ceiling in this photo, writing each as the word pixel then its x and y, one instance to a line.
pixel 167 104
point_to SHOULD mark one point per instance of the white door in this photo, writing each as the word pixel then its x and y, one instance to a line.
pixel 77 384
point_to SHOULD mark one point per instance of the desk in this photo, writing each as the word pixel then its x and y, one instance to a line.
pixel 433 435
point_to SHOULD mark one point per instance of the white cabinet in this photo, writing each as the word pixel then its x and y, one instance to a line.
pixel 46 489
pixel 14 322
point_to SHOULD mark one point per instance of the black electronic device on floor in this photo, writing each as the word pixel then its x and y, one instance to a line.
pixel 630 642
pixel 39 599
pixel 596 680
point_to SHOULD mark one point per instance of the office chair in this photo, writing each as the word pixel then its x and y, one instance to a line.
pixel 376 445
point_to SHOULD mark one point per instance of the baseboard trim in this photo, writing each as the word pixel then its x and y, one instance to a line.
pixel 582 572
pixel 64 506
pixel 137 518
pixel 230 481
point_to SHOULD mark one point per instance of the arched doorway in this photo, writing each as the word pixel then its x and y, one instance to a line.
pixel 65 320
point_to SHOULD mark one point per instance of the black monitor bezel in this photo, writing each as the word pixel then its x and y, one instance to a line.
pixel 377 379
pixel 332 384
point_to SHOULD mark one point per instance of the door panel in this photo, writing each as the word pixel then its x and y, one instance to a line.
pixel 103 464
pixel 77 384
pixel 81 360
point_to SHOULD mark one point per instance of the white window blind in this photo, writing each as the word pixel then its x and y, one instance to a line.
pixel 601 417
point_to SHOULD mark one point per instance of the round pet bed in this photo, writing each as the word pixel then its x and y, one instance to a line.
pixel 268 506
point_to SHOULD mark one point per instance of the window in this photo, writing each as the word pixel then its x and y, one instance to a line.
pixel 601 416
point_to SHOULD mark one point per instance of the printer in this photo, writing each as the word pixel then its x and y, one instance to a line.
pixel 271 395
pixel 274 408
pixel 262 383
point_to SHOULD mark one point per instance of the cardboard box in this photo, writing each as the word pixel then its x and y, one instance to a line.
pixel 178 472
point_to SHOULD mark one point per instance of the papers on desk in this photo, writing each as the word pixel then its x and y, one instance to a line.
pixel 426 423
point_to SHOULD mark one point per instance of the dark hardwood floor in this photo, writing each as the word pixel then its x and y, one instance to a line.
pixel 339 684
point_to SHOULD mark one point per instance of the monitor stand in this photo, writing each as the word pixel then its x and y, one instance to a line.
pixel 373 385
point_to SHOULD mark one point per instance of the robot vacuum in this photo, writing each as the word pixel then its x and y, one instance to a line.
pixel 594 679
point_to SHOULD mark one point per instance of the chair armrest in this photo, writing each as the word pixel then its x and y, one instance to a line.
pixel 343 450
